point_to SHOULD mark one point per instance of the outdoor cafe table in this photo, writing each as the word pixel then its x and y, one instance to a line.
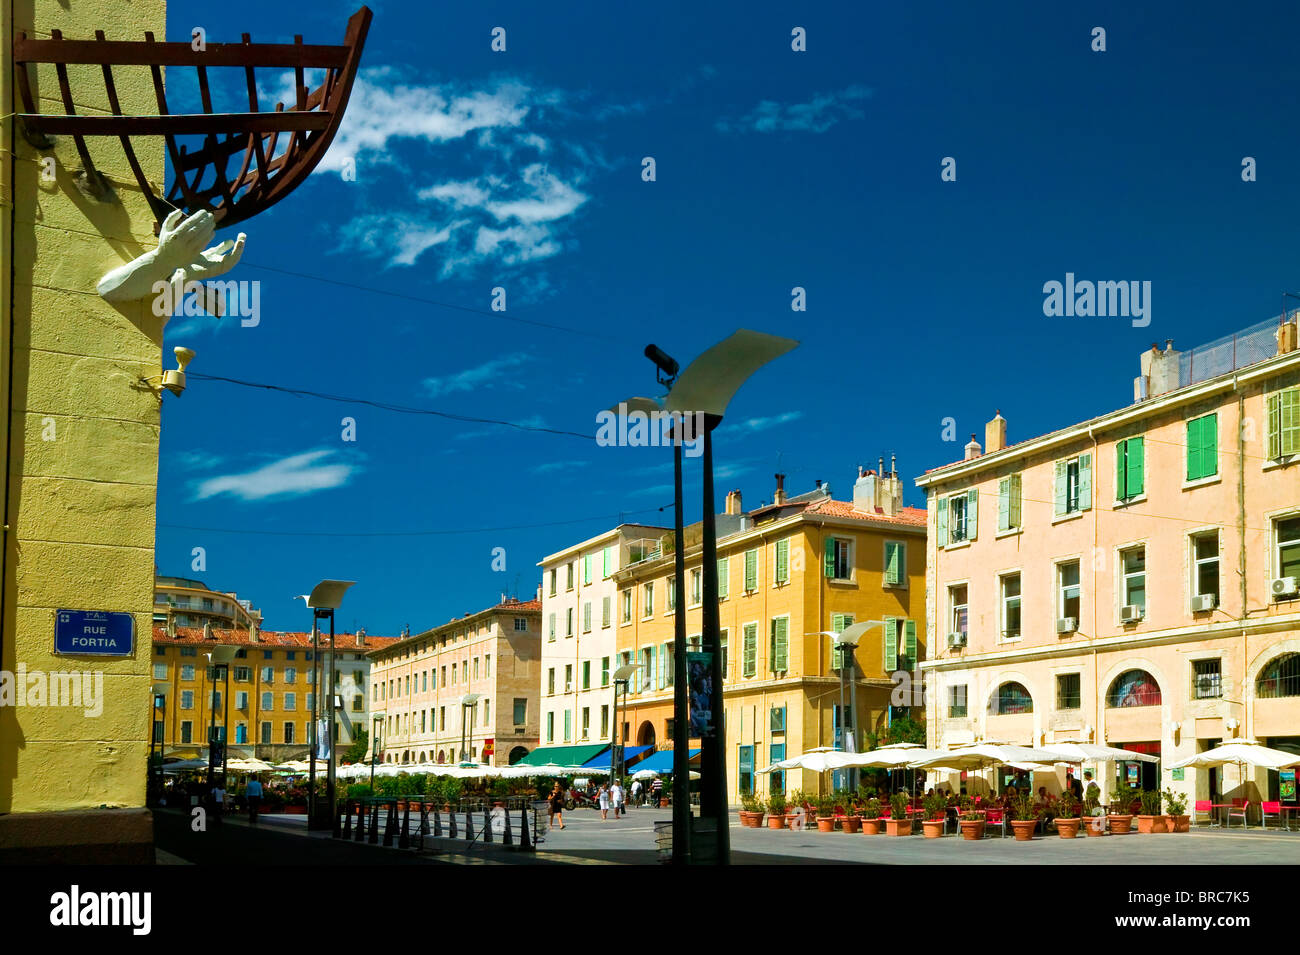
pixel 1288 811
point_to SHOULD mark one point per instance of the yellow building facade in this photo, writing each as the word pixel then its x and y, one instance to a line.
pixel 787 572
pixel 82 448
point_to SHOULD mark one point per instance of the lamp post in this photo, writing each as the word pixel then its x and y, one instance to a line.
pixel 158 696
pixel 846 641
pixel 468 700
pixel 218 657
pixel 323 600
pixel 621 677
pixel 377 723
pixel 697 400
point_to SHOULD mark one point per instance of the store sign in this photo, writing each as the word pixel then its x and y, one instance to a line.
pixel 103 633
pixel 699 679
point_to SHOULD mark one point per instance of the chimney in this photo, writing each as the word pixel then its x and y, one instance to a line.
pixel 1287 333
pixel 254 631
pixel 171 625
pixel 893 465
pixel 207 630
pixel 972 449
pixel 1158 371
pixel 733 502
pixel 889 496
pixel 995 433
pixel 866 490
pixel 361 636
pixel 779 497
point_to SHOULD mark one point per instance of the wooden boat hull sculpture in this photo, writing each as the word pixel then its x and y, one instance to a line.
pixel 245 142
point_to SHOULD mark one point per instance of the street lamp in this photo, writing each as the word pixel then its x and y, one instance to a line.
pixel 846 641
pixel 700 394
pixel 219 657
pixel 158 695
pixel 468 700
pixel 377 723
pixel 622 675
pixel 323 600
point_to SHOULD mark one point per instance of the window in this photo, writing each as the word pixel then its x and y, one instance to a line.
pixel 586 569
pixel 1073 485
pixel 268 675
pixel 476 668
pixel 1281 678
pixel 586 674
pixel 568 576
pixel 442 718
pixel 187 699
pixel 187 732
pixel 1205 561
pixel 959 613
pixel 1068 694
pixel 958 518
pixel 745 770
pixel 550 727
pixel 160 671
pixel 1133 688
pixel 568 678
pixel 568 725
pixel 672 594
pixel 187 671
pixel 839 623
pixel 1134 568
pixel 550 628
pixel 839 559
pixel 521 710
pixel 1067 587
pixel 189 651
pixel 1203 447
pixel 604 720
pixel 266 732
pixel 751 571
pixel 779 657
pixel 724 570
pixel 243 674
pixel 1207 679
pixel 568 622
pixel 586 722
pixel 750 662
pixel 776 780
pixel 268 701
pixel 554 575
pixel 697 583
pixel 648 599
pixel 722 647
pixel 1009 584
pixel 626 596
pixel 288 732
pixel 1010 699
pixel 606 611
pixel 1287 534
pixel 1284 423
pixel 782 562
pixel 290 701
pixel 550 682
pixel 957 702
pixel 1009 499
pixel 1129 479
pixel 586 617
pixel 521 624
pixel 607 561
pixel 290 674
pixel 776 719
pixel 241 700
pixel 895 564
pixel 241 733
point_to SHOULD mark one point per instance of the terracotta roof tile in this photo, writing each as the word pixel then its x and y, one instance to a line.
pixel 914 516
pixel 266 639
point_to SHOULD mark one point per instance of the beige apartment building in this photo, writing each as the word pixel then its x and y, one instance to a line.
pixel 579 643
pixel 183 602
pixel 466 690
pixel 1131 579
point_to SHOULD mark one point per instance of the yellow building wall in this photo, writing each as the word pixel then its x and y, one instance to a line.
pixel 83 434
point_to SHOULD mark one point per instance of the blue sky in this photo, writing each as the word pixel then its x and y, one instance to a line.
pixel 775 169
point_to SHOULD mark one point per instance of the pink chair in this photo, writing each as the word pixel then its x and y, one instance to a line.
pixel 1204 806
pixel 1268 809
pixel 996 817
pixel 1240 807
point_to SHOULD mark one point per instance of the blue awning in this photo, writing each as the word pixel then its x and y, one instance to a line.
pixel 630 755
pixel 662 761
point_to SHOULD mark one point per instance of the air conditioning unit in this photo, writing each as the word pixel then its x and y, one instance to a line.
pixel 1284 587
pixel 956 640
pixel 1130 613
pixel 1067 625
pixel 1206 684
pixel 1204 602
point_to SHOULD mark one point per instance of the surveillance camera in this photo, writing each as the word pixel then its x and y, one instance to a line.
pixel 665 362
pixel 174 381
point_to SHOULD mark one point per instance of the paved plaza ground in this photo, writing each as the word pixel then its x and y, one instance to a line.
pixel 586 839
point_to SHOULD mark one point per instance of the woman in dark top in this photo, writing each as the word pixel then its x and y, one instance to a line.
pixel 556 800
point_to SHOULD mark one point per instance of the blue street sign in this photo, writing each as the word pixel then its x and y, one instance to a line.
pixel 94 632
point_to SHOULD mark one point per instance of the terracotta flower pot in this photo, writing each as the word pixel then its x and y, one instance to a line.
pixel 1089 824
pixel 898 827
pixel 751 820
pixel 825 823
pixel 1068 828
pixel 933 828
pixel 871 827
pixel 972 829
pixel 1024 829
pixel 776 822
pixel 1120 824
pixel 851 824
pixel 1150 824
pixel 1179 823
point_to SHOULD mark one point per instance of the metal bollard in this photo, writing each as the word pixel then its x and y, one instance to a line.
pixel 437 822
pixel 374 824
pixel 452 815
pixel 359 833
pixel 469 825
pixel 404 841
pixel 390 823
pixel 506 838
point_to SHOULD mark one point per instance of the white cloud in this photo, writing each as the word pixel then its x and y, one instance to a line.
pixel 485 375
pixel 551 466
pixel 293 476
pixel 819 114
pixel 753 425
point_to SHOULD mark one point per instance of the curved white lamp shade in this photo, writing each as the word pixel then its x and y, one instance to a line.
pixel 709 382
pixel 328 594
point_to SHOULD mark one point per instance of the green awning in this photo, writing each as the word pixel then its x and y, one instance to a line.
pixel 567 757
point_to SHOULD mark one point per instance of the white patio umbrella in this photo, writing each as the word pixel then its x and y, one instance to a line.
pixel 984 755
pixel 182 765
pixel 1243 752
pixel 249 766
pixel 1092 752
pixel 644 774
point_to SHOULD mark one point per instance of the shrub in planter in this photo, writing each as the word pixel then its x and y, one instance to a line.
pixel 1094 821
pixel 871 810
pixel 776 811
pixel 1176 811
pixel 899 822
pixel 452 789
pixel 972 821
pixel 1151 819
pixel 359 791
pixel 1068 822
pixel 751 811
pixel 825 813
pixel 1120 819
pixel 936 813
pixel 1024 817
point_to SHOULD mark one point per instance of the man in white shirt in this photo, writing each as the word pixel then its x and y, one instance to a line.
pixel 616 798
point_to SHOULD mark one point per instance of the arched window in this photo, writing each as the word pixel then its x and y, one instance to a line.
pixel 1134 688
pixel 518 753
pixel 442 756
pixel 1010 698
pixel 1280 678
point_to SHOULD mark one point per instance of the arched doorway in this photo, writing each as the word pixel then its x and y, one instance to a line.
pixel 442 756
pixel 645 734
pixel 518 753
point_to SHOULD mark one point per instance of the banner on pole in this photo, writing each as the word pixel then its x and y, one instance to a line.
pixel 699 680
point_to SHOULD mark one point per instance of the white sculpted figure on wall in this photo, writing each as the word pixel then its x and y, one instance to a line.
pixel 179 259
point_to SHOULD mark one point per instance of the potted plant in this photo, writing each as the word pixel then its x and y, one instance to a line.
pixel 1024 817
pixel 1120 819
pixel 1176 812
pixel 936 813
pixel 1151 818
pixel 1068 822
pixel 451 790
pixel 776 811
pixel 871 816
pixel 972 820
pixel 825 814
pixel 751 811
pixel 899 822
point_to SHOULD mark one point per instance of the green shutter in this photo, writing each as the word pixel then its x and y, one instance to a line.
pixel 723 568
pixel 780 656
pixel 751 570
pixel 586 569
pixel 893 562
pixel 909 633
pixel 1289 421
pixel 782 561
pixel 607 561
pixel 890 641
pixel 972 513
pixel 1004 504
pixel 941 519
pixel 830 558
pixel 1060 486
pixel 1085 482
pixel 1128 469
pixel 1013 518
pixel 1275 426
pixel 1203 447
pixel 750 649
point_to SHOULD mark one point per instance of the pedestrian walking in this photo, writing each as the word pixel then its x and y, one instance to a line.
pixel 555 807
pixel 218 801
pixel 603 798
pixel 636 792
pixel 657 791
pixel 253 796
pixel 617 796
